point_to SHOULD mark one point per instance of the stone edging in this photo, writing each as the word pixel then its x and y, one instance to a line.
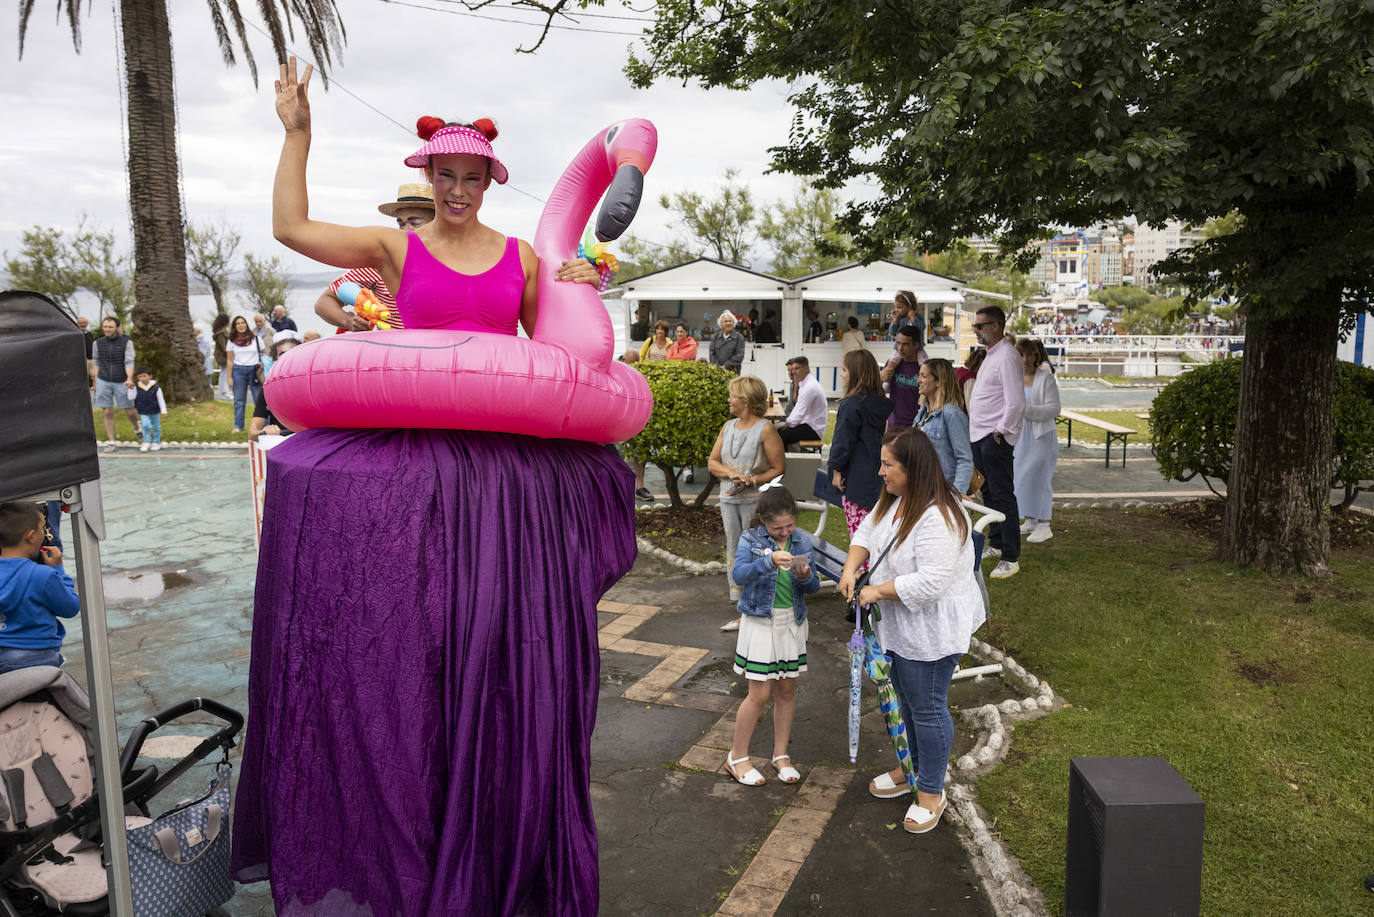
pixel 179 444
pixel 691 566
pixel 1010 890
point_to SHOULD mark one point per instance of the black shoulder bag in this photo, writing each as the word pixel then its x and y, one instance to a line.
pixel 874 614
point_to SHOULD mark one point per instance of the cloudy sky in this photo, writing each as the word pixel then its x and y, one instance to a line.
pixel 61 154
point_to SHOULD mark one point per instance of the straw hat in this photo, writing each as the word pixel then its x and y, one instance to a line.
pixel 414 194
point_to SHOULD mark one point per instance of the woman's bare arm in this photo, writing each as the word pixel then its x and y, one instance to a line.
pixel 377 247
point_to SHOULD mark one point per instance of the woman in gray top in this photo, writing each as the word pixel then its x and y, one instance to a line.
pixel 748 452
pixel 727 346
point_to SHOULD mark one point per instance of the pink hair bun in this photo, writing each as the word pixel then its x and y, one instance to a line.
pixel 427 125
pixel 487 127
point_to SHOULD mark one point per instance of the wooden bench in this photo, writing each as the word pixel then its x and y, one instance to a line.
pixel 1115 432
pixel 810 445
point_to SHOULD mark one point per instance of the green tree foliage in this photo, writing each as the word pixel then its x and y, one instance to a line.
pixel 210 253
pixel 801 233
pixel 1122 297
pixel 719 226
pixel 1193 420
pixel 691 402
pixel 44 265
pixel 995 118
pixel 798 234
pixel 59 267
pixel 265 283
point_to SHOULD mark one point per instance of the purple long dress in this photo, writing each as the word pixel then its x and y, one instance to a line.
pixel 424 677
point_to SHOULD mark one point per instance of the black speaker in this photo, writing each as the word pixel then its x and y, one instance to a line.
pixel 1135 840
pixel 45 399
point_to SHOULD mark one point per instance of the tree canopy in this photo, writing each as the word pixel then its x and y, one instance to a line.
pixel 1003 119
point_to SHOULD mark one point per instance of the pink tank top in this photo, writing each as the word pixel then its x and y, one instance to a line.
pixel 433 295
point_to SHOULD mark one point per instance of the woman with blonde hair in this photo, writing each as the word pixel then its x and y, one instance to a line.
pixel 860 421
pixel 1037 451
pixel 748 452
pixel 942 418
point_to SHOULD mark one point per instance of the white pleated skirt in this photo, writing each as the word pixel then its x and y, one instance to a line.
pixel 769 648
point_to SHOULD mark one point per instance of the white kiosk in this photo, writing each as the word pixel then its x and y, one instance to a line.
pixel 705 286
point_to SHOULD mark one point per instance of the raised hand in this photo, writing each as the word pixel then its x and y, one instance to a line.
pixel 292 105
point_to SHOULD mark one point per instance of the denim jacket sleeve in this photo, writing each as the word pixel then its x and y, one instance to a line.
pixel 956 430
pixel 749 563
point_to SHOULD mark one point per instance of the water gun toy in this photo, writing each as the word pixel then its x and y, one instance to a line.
pixel 365 305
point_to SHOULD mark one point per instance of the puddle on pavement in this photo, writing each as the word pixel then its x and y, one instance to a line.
pixel 714 677
pixel 615 676
pixel 143 586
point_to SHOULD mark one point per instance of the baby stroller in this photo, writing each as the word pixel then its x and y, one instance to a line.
pixel 50 854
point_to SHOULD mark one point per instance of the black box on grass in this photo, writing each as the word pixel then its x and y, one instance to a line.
pixel 1134 839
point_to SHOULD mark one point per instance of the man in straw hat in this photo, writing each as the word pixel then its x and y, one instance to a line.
pixel 413 208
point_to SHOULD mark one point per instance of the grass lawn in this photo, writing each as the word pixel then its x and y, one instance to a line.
pixel 206 422
pixel 1257 689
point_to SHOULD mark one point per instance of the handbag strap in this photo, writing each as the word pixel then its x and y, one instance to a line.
pixel 168 845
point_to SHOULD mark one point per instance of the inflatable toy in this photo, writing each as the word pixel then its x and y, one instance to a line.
pixel 562 382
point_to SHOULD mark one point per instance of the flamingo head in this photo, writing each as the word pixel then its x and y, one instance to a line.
pixel 630 147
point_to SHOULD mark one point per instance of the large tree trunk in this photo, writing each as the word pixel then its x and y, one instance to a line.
pixel 1278 491
pixel 164 338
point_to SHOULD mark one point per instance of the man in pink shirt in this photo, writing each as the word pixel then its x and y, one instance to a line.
pixel 994 419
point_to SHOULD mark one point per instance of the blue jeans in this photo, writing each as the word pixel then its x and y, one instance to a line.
pixel 923 693
pixel 12 658
pixel 245 379
pixel 152 427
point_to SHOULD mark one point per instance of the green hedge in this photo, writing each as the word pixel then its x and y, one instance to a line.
pixel 1193 425
pixel 691 402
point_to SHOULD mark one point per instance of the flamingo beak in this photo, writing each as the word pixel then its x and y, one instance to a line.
pixel 621 203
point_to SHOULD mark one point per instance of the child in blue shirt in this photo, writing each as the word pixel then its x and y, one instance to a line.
pixel 35 592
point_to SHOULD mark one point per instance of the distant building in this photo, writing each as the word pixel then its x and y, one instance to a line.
pixel 1154 243
pixel 1079 261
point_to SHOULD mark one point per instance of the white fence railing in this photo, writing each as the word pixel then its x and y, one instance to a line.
pixel 1137 354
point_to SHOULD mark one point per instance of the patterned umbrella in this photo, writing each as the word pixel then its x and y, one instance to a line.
pixel 880 671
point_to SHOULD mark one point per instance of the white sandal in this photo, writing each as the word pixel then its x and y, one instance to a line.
pixel 919 819
pixel 751 777
pixel 787 773
pixel 882 787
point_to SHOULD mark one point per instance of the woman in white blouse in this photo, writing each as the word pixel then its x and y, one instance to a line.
pixel 928 602
pixel 1037 451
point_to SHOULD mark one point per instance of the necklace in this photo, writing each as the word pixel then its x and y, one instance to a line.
pixel 738 440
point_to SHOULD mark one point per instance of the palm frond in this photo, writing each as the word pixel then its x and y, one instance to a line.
pixel 222 37
pixel 71 7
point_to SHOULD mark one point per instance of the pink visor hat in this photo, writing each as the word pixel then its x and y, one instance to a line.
pixel 458 140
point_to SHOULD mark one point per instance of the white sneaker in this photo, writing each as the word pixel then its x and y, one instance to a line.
pixel 1028 526
pixel 157 447
pixel 991 553
pixel 1042 533
pixel 1005 569
pixel 142 447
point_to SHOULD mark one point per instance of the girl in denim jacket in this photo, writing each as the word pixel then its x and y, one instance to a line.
pixel 773 568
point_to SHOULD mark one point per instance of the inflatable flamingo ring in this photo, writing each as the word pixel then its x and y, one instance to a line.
pixel 561 383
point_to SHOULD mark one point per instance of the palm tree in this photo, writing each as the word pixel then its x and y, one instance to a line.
pixel 164 337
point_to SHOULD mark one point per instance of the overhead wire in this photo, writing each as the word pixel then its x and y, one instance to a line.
pixel 334 82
